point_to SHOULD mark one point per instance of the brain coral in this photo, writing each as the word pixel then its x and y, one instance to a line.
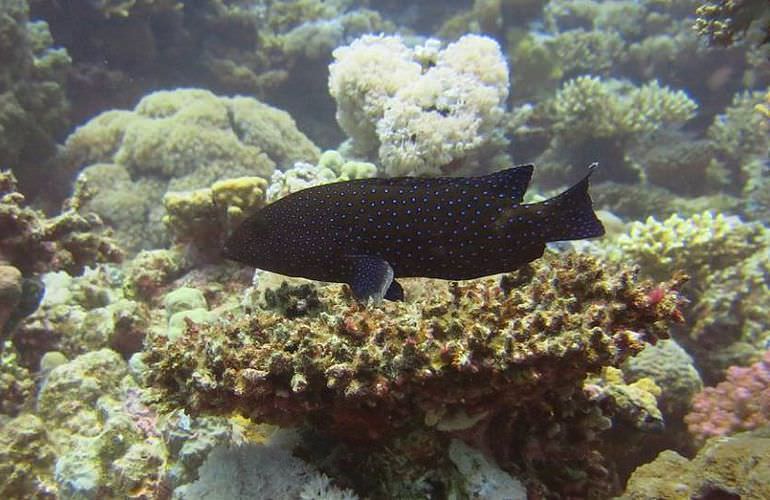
pixel 424 109
pixel 180 140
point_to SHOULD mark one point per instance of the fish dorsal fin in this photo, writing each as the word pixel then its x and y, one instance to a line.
pixel 512 182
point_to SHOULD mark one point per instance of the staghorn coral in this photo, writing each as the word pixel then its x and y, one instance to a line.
pixel 734 467
pixel 425 110
pixel 34 243
pixel 742 402
pixel 505 352
pixel 177 141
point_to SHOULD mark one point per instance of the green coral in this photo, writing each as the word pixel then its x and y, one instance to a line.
pixel 33 105
pixel 204 217
pixel 699 244
pixel 734 467
pixel 589 107
pixel 177 141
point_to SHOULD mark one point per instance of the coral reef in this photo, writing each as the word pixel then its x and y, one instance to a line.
pixel 426 111
pixel 16 383
pixel 742 402
pixel 204 217
pixel 33 243
pixel 725 22
pixel 177 141
pixel 727 261
pixel 33 105
pixel 734 467
pixel 673 371
pixel 106 440
pixel 122 50
pixel 26 459
pixel 82 314
pixel 699 245
pixel 331 167
pixel 480 347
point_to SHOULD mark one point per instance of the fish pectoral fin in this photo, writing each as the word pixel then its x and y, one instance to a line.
pixel 395 292
pixel 372 277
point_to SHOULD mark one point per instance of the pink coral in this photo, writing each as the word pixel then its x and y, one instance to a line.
pixel 742 402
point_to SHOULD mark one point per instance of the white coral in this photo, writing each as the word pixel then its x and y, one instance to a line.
pixel 431 109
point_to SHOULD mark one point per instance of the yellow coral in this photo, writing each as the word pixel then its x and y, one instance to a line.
pixel 764 108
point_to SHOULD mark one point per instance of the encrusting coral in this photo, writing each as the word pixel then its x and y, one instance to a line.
pixel 487 349
pixel 204 217
pixel 734 467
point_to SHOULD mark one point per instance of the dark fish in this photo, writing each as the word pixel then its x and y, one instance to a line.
pixel 368 232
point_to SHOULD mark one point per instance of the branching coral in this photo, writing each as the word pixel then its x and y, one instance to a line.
pixel 725 22
pixel 589 107
pixel 700 244
pixel 727 259
pixel 33 243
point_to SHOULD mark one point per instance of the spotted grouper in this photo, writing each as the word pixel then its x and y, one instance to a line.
pixel 368 232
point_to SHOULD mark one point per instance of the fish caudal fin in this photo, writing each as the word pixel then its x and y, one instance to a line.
pixel 571 214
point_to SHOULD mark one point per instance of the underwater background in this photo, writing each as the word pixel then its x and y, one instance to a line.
pixel 136 362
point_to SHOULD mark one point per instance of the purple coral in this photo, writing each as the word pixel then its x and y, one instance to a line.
pixel 742 402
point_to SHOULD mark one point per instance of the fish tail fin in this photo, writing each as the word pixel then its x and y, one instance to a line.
pixel 571 213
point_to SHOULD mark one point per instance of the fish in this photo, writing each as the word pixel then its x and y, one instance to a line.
pixel 368 232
